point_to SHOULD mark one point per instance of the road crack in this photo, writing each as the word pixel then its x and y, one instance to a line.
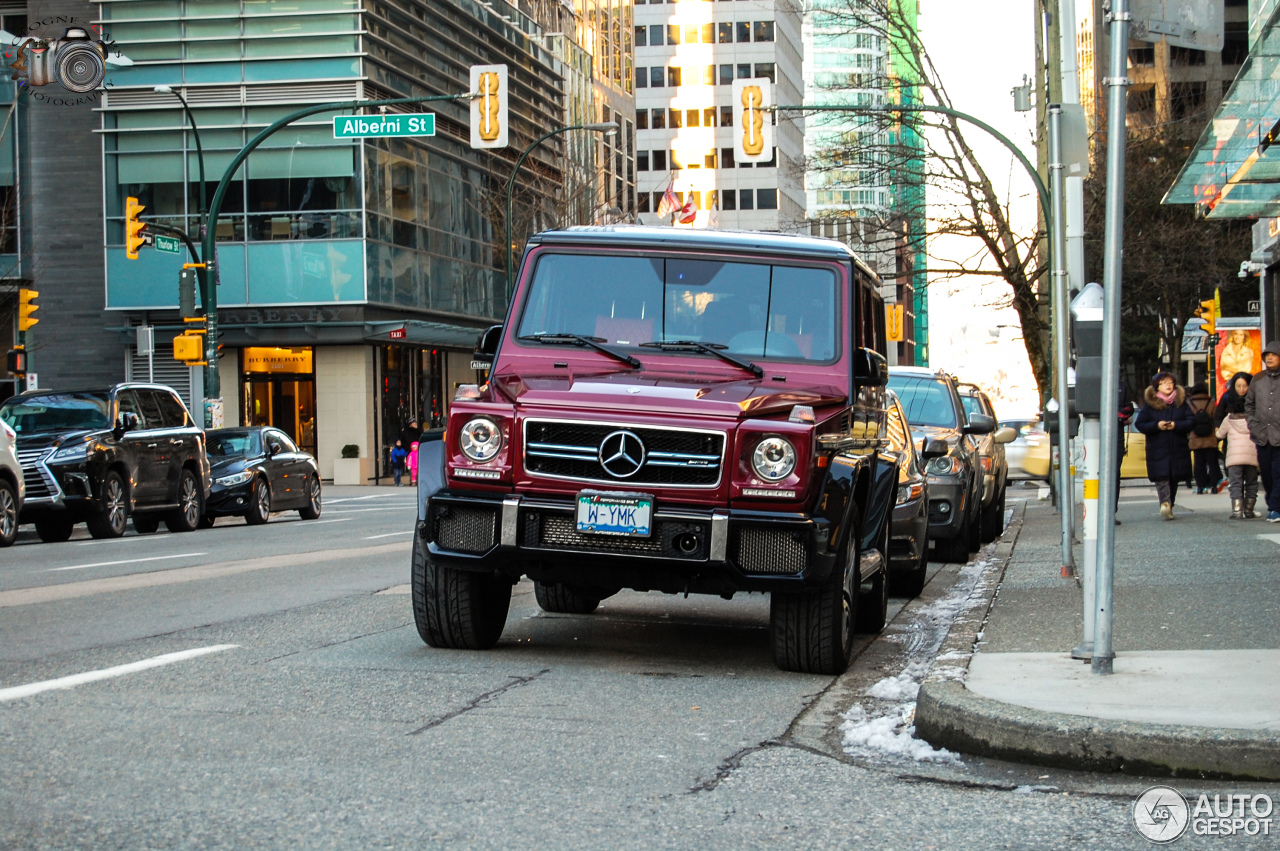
pixel 479 700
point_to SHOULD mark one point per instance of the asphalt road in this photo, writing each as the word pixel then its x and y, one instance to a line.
pixel 305 712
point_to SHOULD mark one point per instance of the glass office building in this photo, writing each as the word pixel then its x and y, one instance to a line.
pixel 354 275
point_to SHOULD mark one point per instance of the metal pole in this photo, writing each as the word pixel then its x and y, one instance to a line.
pixel 1061 345
pixel 1113 258
pixel 209 289
pixel 1089 433
pixel 606 127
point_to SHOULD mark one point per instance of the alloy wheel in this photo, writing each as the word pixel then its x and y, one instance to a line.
pixel 315 495
pixel 190 502
pixel 263 496
pixel 8 514
pixel 113 504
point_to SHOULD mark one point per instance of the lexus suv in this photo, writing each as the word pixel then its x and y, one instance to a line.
pixel 932 401
pixel 99 456
pixel 12 487
pixel 682 411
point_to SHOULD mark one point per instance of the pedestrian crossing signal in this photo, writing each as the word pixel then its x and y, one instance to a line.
pixel 134 236
pixel 188 347
pixel 17 361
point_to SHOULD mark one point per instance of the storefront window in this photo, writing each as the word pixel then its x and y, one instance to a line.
pixel 279 391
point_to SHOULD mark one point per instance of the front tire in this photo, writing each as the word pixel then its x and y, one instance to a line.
pixel 186 517
pixel 955 550
pixel 54 529
pixel 313 507
pixel 260 505
pixel 812 631
pixel 111 520
pixel 8 513
pixel 457 609
pixel 559 598
pixel 910 583
pixel 993 519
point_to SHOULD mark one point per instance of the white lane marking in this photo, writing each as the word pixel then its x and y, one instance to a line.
pixel 125 539
pixel 384 508
pixel 388 535
pixel 107 673
pixel 360 498
pixel 394 589
pixel 1275 539
pixel 123 561
pixel 310 523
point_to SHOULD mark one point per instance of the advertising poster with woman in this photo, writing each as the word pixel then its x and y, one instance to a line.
pixel 1239 350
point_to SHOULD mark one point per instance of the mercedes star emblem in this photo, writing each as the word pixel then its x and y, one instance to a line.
pixel 622 454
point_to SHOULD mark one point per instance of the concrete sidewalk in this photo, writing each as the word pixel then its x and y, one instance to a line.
pixel 1196 688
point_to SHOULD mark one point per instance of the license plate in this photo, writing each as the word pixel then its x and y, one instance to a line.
pixel 626 514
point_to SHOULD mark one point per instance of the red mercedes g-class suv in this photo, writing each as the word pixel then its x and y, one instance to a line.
pixel 685 411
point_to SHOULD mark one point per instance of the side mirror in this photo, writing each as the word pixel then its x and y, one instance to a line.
pixel 128 421
pixel 980 424
pixel 486 348
pixel 274 449
pixel 870 369
pixel 935 449
pixel 1005 435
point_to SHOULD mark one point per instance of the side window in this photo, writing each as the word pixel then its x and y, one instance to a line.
pixel 175 416
pixel 281 438
pixel 128 402
pixel 150 409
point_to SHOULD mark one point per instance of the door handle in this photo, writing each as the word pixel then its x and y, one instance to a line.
pixel 175 442
pixel 152 445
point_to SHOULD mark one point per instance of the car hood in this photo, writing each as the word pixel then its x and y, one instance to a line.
pixel 50 439
pixel 228 466
pixel 736 399
pixel 921 434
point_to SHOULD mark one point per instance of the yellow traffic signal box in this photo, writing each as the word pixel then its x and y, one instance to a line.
pixel 133 229
pixel 189 348
pixel 26 307
pixel 1209 313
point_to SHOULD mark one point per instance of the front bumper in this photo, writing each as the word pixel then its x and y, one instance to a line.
pixel 57 488
pixel 228 500
pixel 908 534
pixel 948 504
pixel 697 550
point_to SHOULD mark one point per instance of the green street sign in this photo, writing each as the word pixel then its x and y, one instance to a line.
pixel 168 244
pixel 366 126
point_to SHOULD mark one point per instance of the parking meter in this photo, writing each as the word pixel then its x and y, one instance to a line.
pixel 1086 310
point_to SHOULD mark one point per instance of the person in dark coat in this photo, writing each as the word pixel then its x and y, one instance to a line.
pixel 1262 412
pixel 1166 420
pixel 410 435
pixel 1202 441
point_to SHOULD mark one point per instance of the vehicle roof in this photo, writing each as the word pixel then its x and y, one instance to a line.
pixel 124 385
pixel 642 236
pixel 918 372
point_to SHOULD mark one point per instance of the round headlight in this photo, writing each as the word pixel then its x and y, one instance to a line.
pixel 944 466
pixel 480 439
pixel 774 459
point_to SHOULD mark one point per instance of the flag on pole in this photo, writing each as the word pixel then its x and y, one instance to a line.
pixel 689 211
pixel 669 203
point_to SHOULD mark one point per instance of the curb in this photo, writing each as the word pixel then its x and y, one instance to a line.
pixel 949 716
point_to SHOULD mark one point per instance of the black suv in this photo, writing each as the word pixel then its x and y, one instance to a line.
pixel 100 455
pixel 931 399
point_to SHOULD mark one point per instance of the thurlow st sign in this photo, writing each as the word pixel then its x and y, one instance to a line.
pixel 364 126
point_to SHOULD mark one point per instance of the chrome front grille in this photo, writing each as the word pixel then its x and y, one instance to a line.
pixel 551 530
pixel 36 478
pixel 465 529
pixel 673 457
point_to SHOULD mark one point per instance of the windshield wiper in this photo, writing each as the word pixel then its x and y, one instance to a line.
pixel 716 349
pixel 590 342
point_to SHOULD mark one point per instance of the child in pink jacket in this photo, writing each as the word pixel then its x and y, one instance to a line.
pixel 1242 453
pixel 413 464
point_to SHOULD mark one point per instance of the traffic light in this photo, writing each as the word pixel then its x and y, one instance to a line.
pixel 188 347
pixel 489 110
pixel 17 361
pixel 133 229
pixel 1208 312
pixel 187 293
pixel 26 307
pixel 752 120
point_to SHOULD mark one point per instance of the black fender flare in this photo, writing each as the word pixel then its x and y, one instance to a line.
pixel 858 491
pixel 431 478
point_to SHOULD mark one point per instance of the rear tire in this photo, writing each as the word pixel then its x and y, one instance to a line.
pixel 993 519
pixel 954 550
pixel 973 530
pixel 8 513
pixel 186 517
pixel 314 505
pixel 54 529
pixel 113 517
pixel 454 608
pixel 812 631
pixel 559 598
pixel 259 504
pixel 146 524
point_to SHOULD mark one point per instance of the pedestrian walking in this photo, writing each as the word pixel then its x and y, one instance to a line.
pixel 1262 412
pixel 1166 421
pixel 410 435
pixel 398 458
pixel 412 462
pixel 1203 442
pixel 1242 453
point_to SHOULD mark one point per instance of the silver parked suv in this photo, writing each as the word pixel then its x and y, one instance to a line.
pixel 12 489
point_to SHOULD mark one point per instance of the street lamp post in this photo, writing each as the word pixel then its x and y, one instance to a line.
pixel 195 131
pixel 601 127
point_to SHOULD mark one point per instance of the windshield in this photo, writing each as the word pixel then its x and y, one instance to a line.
pixel 753 309
pixel 926 401
pixel 233 444
pixel 57 412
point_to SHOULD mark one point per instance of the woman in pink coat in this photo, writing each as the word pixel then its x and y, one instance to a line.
pixel 1242 453
pixel 413 463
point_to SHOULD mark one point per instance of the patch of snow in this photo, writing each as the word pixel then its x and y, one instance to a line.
pixel 892 735
pixel 1027 790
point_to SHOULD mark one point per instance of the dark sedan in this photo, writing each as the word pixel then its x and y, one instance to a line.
pixel 258 471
